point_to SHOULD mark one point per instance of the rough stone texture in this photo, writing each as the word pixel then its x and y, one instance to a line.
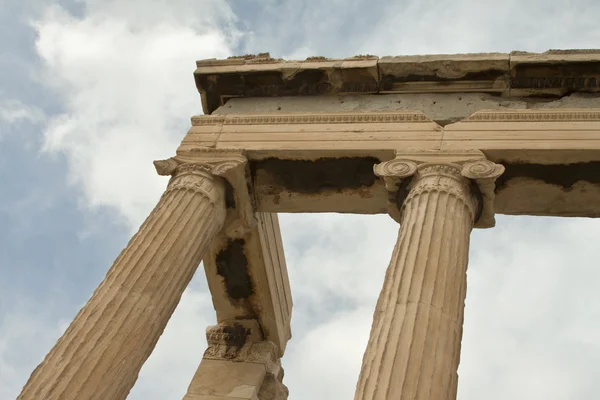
pixel 555 72
pixel 273 388
pixel 259 76
pixel 294 136
pixel 550 74
pixel 238 364
pixel 558 139
pixel 102 351
pixel 487 72
pixel 443 108
pixel 248 279
pixel 414 346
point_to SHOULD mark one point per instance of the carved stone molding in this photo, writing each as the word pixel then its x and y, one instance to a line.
pixel 241 341
pixel 472 165
pixel 481 169
pixel 227 164
pixel 196 178
pixel 484 173
pixel 534 116
pixel 348 118
pixel 166 167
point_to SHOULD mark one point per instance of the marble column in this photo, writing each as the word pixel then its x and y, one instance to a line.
pixel 414 346
pixel 238 364
pixel 102 351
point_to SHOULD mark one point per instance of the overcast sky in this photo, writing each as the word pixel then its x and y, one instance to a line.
pixel 91 91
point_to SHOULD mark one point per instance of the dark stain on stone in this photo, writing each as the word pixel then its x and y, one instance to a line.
pixel 304 83
pixel 232 265
pixel 479 196
pixel 217 88
pixel 236 335
pixel 403 191
pixel 564 175
pixel 578 76
pixel 323 174
pixel 229 198
pixel 388 80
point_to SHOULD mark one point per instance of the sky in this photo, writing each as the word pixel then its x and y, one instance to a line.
pixel 92 91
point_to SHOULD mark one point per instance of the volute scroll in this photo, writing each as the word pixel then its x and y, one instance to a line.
pixel 398 173
pixel 232 166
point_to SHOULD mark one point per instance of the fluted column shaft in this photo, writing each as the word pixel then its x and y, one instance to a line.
pixel 414 346
pixel 101 353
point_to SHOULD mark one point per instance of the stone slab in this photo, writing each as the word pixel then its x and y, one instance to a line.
pixel 248 279
pixel 551 74
pixel 263 76
pixel 485 72
pixel 555 72
pixel 222 379
pixel 299 162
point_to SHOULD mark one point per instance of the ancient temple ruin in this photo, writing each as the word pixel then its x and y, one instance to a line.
pixel 441 143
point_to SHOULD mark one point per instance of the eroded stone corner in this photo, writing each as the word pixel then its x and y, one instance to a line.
pixel 238 363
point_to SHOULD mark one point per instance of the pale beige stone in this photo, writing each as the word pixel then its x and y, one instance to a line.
pixel 238 364
pixel 414 346
pixel 308 136
pixel 102 351
pixel 553 73
pixel 442 108
pixel 245 266
pixel 446 73
pixel 455 139
pixel 266 294
pixel 539 146
pixel 540 129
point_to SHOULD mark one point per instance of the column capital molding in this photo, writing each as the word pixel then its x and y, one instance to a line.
pixel 468 164
pixel 233 167
pixel 242 341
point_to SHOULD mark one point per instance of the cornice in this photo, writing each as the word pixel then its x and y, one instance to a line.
pixel 516 74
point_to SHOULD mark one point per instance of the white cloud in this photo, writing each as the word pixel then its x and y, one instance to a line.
pixel 421 27
pixel 26 334
pixel 14 113
pixel 471 26
pixel 124 74
pixel 531 321
pixel 325 361
pixel 170 368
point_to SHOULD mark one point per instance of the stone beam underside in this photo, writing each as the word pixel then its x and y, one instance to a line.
pixel 323 162
pixel 247 277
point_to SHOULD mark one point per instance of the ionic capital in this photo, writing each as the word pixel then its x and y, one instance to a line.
pixel 407 175
pixel 230 165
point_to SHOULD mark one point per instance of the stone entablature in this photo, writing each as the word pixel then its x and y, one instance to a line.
pixel 550 155
pixel 455 140
pixel 554 73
